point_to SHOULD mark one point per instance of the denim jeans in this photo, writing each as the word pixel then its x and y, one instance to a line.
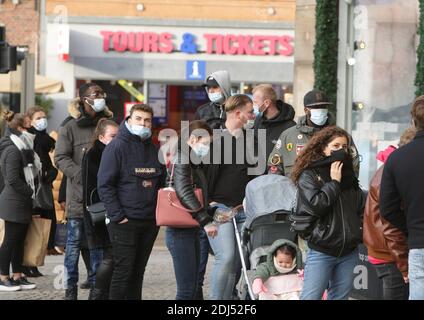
pixel 323 271
pixel 184 246
pixel 74 243
pixel 132 243
pixel 416 274
pixel 394 287
pixel 204 256
pixel 227 259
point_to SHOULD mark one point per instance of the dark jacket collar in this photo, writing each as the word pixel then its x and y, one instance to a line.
pixel 419 135
pixel 126 135
pixel 285 113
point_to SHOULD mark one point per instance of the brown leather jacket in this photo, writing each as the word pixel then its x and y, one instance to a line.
pixel 382 239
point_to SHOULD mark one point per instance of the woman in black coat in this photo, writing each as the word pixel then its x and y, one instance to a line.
pixel 43 145
pixel 97 235
pixel 183 243
pixel 328 190
pixel 20 168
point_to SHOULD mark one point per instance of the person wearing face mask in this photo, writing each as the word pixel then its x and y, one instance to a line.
pixel 228 177
pixel 292 141
pixel 218 88
pixel 75 136
pixel 21 172
pixel 329 191
pixel 272 114
pixel 43 145
pixel 184 243
pixel 128 181
pixel 97 236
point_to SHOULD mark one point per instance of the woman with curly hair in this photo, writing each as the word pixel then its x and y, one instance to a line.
pixel 328 190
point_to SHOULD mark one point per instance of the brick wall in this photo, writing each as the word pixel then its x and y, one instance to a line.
pixel 22 23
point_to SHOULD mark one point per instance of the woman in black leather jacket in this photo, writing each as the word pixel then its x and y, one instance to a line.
pixel 183 243
pixel 328 190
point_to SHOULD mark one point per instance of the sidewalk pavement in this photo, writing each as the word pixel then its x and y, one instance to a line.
pixel 159 279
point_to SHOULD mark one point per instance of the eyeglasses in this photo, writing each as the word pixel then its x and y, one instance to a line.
pixel 97 95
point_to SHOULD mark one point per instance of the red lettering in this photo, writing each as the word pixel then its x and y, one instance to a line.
pixel 285 42
pixel 151 42
pixel 166 45
pixel 244 45
pixel 272 45
pixel 210 42
pixel 120 41
pixel 135 41
pixel 106 39
pixel 218 44
pixel 228 44
pixel 258 45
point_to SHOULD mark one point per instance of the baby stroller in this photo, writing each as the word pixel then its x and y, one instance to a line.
pixel 268 202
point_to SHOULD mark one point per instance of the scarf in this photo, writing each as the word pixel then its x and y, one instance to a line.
pixel 323 166
pixel 284 270
pixel 31 161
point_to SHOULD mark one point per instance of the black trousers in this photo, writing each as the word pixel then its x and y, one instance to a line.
pixel 132 244
pixel 394 287
pixel 12 248
pixel 104 274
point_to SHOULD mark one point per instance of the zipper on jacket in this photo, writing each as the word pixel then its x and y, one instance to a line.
pixel 344 230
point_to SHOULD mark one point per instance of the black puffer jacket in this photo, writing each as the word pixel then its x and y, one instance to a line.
pixel 185 175
pixel 213 113
pixel 338 229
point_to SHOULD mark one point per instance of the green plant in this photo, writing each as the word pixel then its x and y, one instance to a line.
pixel 419 76
pixel 326 49
pixel 44 102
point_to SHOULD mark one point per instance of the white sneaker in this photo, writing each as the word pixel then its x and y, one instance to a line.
pixel 9 286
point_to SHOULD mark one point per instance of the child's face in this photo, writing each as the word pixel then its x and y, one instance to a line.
pixel 284 260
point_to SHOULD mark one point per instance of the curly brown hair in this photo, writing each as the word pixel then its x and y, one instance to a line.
pixel 314 150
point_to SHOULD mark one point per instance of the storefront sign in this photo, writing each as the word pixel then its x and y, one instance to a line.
pixel 195 70
pixel 212 43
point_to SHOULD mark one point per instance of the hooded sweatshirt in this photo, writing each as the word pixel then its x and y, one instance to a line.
pixel 214 113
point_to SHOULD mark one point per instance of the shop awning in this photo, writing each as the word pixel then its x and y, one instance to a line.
pixel 11 82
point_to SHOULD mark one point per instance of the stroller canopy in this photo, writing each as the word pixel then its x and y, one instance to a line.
pixel 267 194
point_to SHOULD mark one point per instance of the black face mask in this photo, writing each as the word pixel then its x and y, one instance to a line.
pixel 338 155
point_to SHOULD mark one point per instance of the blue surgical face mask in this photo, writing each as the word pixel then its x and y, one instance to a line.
pixel 257 112
pixel 201 150
pixel 98 105
pixel 40 124
pixel 139 130
pixel 216 97
pixel 319 116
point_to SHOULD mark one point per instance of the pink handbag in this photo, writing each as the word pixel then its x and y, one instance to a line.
pixel 171 213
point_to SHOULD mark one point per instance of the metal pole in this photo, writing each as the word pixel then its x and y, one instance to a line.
pixel 243 264
pixel 27 82
pixel 345 71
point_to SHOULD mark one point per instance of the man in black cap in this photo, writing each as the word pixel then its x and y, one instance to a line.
pixel 293 140
pixel 218 88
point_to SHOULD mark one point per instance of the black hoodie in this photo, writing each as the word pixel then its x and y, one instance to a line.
pixel 275 126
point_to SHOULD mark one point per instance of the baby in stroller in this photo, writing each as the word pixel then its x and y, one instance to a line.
pixel 278 278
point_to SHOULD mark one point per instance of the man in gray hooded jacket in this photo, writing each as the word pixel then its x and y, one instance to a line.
pixel 218 88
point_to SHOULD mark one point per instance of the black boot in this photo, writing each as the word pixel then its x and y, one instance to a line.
pixel 35 272
pixel 96 294
pixel 71 293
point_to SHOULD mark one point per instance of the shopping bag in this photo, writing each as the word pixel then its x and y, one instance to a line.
pixel 36 241
pixel 61 234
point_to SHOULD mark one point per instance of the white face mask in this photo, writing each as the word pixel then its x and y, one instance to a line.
pixel 40 124
pixel 216 97
pixel 201 150
pixel 284 270
pixel 319 116
pixel 249 124
pixel 98 105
